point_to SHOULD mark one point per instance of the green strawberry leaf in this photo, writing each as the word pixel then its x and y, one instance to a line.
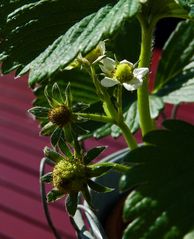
pixel 161 200
pixel 174 80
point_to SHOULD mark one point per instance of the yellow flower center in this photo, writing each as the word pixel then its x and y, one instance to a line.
pixel 60 115
pixel 69 176
pixel 124 72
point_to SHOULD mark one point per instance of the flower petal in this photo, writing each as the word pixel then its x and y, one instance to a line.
pixel 129 87
pixel 126 62
pixel 134 84
pixel 101 45
pixel 108 65
pixel 140 72
pixel 136 81
pixel 108 82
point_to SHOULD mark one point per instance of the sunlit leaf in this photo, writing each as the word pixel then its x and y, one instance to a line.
pixel 28 27
pixel 82 37
pixel 174 81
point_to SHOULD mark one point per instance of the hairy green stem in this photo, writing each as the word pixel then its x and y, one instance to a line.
pixel 104 96
pixel 119 101
pixel 96 117
pixel 77 146
pixel 131 142
pixel 117 117
pixel 146 123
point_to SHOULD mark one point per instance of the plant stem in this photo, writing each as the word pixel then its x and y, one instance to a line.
pixel 131 142
pixel 104 96
pixel 77 146
pixel 112 113
pixel 119 101
pixel 146 123
pixel 96 117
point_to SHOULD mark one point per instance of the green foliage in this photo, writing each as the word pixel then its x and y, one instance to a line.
pixel 161 201
pixel 98 187
pixel 132 118
pixel 9 6
pixel 87 95
pixel 82 37
pixel 99 170
pixel 71 203
pixel 73 174
pixel 102 131
pixel 54 195
pixel 93 153
pixel 77 79
pixel 156 10
pixel 156 105
pixel 47 178
pixel 45 37
pixel 180 89
pixel 35 25
pixel 51 154
pixel 174 81
pixel 128 35
pixel 188 5
pixel 29 27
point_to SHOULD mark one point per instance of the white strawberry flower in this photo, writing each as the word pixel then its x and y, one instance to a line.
pixel 123 72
